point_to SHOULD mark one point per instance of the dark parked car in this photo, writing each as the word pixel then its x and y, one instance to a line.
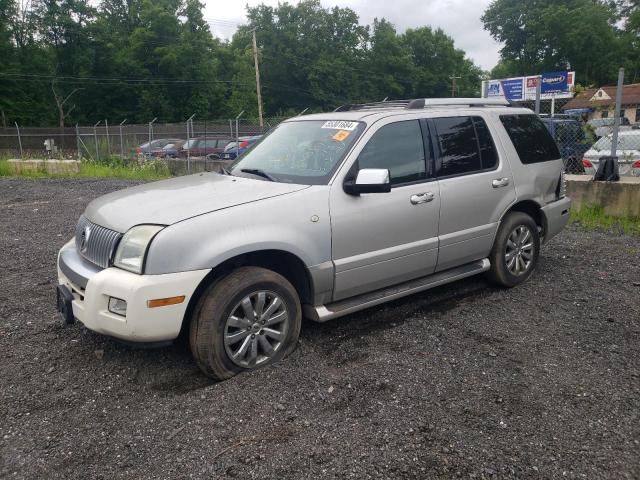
pixel 235 149
pixel 571 139
pixel 171 150
pixel 155 147
pixel 203 146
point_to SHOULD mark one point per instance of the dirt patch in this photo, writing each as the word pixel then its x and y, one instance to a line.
pixel 467 380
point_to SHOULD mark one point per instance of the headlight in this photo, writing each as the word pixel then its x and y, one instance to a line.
pixel 133 247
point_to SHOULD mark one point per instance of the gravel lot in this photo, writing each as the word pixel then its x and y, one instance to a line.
pixel 467 380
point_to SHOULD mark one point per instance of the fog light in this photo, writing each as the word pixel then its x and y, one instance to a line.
pixel 118 306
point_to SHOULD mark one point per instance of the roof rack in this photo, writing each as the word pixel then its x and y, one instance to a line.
pixel 420 103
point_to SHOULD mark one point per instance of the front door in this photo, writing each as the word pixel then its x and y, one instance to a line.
pixel 381 239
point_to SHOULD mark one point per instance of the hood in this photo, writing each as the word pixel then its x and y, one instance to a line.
pixel 170 201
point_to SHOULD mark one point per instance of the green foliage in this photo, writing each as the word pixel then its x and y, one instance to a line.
pixel 548 35
pixel 593 217
pixel 80 61
pixel 152 170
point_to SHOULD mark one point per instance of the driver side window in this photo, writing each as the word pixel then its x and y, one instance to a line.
pixel 399 148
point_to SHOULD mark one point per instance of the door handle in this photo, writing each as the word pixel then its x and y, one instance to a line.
pixel 421 198
pixel 500 182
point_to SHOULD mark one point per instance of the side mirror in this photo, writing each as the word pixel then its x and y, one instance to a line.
pixel 369 180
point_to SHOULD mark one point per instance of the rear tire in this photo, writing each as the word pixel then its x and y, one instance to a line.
pixel 246 320
pixel 515 251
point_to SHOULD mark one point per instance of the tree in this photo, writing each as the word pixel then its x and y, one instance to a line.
pixel 549 35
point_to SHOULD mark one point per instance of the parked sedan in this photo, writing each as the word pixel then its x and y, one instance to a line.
pixel 628 153
pixel 203 146
pixel 235 149
pixel 171 150
pixel 604 126
pixel 154 148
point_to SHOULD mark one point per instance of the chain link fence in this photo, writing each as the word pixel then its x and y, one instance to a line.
pixel 197 142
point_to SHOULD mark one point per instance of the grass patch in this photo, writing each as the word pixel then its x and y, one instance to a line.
pixel 593 217
pixel 152 170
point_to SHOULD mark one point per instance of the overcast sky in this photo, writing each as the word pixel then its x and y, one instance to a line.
pixel 458 18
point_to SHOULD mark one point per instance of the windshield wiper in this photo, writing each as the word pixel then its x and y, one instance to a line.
pixel 260 173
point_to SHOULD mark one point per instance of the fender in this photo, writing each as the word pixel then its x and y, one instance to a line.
pixel 298 223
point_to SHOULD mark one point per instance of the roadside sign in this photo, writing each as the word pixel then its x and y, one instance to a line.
pixel 554 84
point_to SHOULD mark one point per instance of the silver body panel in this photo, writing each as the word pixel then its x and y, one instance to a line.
pixel 352 246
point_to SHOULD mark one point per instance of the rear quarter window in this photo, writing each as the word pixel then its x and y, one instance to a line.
pixel 531 139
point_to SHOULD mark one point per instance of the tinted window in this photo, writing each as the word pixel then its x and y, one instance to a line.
pixel 399 148
pixel 458 144
pixel 209 144
pixel 530 138
pixel 488 153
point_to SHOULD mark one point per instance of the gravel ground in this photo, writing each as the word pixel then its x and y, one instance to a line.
pixel 467 380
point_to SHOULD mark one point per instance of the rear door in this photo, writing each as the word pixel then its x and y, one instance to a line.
pixel 475 184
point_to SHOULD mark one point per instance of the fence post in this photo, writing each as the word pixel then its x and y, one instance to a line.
pixel 121 143
pixel 78 143
pixel 95 139
pixel 231 127
pixel 238 134
pixel 150 135
pixel 106 126
pixel 538 93
pixel 189 122
pixel 616 121
pixel 19 139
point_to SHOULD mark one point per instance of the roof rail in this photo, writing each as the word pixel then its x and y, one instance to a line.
pixel 467 102
pixel 420 103
pixel 373 105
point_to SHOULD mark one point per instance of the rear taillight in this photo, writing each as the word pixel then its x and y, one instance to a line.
pixel 636 164
pixel 587 163
pixel 561 189
pixel 138 151
pixel 244 144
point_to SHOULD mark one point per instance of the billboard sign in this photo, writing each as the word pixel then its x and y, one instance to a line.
pixel 554 84
pixel 512 89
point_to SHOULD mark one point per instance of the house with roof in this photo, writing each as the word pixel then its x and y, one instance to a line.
pixel 601 102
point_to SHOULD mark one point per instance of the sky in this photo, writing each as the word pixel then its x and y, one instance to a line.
pixel 460 19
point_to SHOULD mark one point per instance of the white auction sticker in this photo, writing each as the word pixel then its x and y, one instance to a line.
pixel 340 125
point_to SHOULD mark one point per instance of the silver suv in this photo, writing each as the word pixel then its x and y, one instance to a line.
pixel 329 214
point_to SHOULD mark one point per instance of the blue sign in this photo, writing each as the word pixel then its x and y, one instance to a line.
pixel 554 82
pixel 493 89
pixel 512 89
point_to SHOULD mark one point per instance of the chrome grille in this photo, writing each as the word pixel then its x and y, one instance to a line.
pixel 100 243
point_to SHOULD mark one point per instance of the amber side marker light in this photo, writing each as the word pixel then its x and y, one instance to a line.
pixel 163 302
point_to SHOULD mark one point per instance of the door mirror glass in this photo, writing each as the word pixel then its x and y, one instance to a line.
pixel 369 180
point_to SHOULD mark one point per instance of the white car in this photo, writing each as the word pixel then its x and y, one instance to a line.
pixel 628 153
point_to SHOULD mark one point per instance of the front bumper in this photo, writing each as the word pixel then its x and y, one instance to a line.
pixel 91 288
pixel 555 216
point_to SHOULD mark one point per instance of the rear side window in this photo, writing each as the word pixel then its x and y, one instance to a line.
pixel 465 146
pixel 398 147
pixel 531 139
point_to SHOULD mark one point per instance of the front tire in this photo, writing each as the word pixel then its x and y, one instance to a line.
pixel 515 250
pixel 246 320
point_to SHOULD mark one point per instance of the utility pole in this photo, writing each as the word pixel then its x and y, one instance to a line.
pixel 453 84
pixel 258 90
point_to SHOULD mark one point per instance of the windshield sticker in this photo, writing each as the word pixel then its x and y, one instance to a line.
pixel 340 125
pixel 341 135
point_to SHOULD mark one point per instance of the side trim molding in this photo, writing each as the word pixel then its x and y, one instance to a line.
pixel 324 313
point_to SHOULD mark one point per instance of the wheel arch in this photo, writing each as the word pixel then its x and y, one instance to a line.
pixel 285 263
pixel 531 208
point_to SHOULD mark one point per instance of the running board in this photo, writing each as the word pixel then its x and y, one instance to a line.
pixel 341 308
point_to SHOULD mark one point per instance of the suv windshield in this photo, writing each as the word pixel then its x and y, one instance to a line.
pixel 303 151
